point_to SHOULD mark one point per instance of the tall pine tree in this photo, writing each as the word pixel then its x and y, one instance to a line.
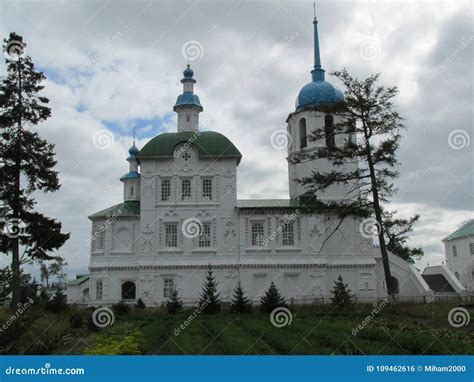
pixel 341 294
pixel 240 302
pixel 27 165
pixel 272 299
pixel 209 301
pixel 369 135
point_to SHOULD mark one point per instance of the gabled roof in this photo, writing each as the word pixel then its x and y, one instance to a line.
pixel 128 208
pixel 78 281
pixel 466 230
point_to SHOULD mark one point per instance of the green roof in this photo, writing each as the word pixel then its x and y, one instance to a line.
pixel 79 280
pixel 129 208
pixel 467 229
pixel 208 144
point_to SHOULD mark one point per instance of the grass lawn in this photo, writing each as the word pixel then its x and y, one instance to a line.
pixel 398 329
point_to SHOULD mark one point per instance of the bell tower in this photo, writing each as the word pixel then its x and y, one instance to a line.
pixel 188 105
pixel 313 113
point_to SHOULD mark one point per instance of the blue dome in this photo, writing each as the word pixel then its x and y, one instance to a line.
pixel 318 92
pixel 188 73
pixel 188 99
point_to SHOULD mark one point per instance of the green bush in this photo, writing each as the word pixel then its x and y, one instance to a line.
pixel 112 346
pixel 121 308
pixel 140 304
pixel 174 304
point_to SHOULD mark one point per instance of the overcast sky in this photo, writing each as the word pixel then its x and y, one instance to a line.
pixel 112 65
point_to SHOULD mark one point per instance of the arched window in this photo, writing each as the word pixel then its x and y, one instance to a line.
pixel 303 137
pixel 128 290
pixel 131 191
pixel 329 130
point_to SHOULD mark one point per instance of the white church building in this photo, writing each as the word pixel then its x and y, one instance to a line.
pixel 180 213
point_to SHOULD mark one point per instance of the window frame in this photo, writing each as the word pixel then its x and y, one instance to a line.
pixel 174 238
pixel 207 192
pixel 167 188
pixel 168 286
pixel 257 241
pixel 189 195
pixel 99 296
pixel 202 242
pixel 288 234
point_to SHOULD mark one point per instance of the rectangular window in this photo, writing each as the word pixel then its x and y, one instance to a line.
pixel 171 235
pixel 98 290
pixel 207 189
pixel 165 190
pixel 168 287
pixel 186 190
pixel 288 235
pixel 471 248
pixel 455 251
pixel 205 235
pixel 257 234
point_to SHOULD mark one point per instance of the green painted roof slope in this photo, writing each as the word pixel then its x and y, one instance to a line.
pixel 209 144
pixel 129 208
pixel 467 229
pixel 79 280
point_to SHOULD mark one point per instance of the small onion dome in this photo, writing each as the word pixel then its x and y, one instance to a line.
pixel 133 150
pixel 188 73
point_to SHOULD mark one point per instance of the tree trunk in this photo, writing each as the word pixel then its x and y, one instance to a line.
pixel 16 271
pixel 378 216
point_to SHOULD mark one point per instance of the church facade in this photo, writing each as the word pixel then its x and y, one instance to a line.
pixel 181 214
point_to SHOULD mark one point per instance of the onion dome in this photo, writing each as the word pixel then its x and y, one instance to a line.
pixel 318 91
